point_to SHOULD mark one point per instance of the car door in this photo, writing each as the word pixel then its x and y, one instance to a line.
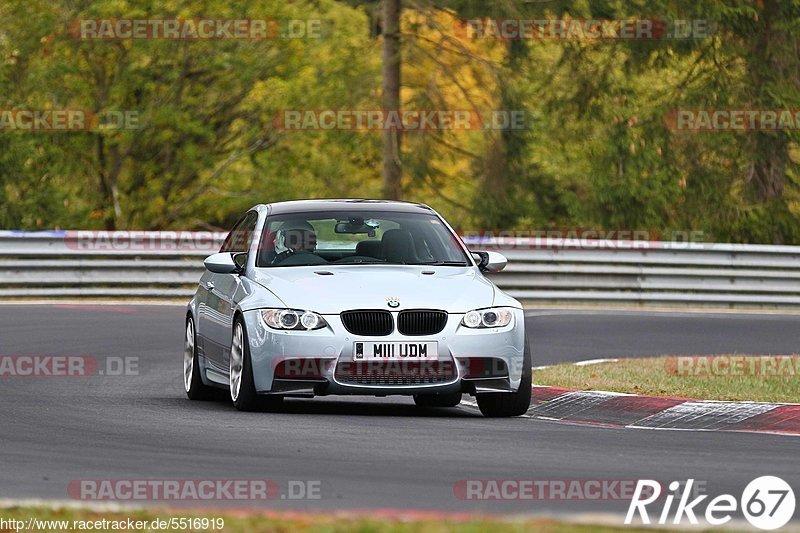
pixel 217 316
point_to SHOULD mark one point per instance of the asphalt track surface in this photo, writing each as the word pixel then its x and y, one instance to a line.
pixel 366 453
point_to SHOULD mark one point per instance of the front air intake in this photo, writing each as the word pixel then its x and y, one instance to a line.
pixel 421 322
pixel 368 323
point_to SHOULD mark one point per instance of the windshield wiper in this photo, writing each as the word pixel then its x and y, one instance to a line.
pixel 442 263
pixel 358 261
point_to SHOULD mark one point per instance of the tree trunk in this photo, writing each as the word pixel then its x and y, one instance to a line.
pixel 392 168
pixel 502 186
pixel 773 73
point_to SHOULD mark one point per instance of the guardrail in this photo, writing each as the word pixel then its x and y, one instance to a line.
pixel 148 265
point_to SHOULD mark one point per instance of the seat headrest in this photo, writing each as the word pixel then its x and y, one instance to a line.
pixel 371 248
pixel 397 246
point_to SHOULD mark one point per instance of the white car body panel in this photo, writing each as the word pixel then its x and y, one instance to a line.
pixel 454 289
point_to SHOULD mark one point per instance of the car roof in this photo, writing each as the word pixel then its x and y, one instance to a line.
pixel 346 204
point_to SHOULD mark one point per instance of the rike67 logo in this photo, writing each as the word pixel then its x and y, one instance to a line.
pixel 767 502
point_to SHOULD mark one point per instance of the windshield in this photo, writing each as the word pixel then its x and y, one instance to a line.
pixel 358 237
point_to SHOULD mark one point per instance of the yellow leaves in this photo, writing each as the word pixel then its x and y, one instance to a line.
pixel 457 71
pixel 442 70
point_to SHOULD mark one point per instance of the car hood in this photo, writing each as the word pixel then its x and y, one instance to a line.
pixel 332 289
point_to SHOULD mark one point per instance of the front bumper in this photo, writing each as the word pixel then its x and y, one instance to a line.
pixel 308 363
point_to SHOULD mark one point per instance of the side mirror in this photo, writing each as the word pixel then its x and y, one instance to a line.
pixel 222 263
pixel 490 261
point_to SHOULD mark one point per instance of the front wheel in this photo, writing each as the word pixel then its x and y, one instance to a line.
pixel 192 382
pixel 504 404
pixel 242 386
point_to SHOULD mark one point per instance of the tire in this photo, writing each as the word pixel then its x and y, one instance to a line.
pixel 192 381
pixel 438 400
pixel 505 404
pixel 243 389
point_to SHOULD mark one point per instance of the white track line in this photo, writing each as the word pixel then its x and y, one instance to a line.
pixel 587 362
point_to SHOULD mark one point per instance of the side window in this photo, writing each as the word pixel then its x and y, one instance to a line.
pixel 241 235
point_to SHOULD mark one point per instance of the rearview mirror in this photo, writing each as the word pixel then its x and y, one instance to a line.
pixel 355 226
pixel 221 263
pixel 490 261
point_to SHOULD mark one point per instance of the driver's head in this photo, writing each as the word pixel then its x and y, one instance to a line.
pixel 298 236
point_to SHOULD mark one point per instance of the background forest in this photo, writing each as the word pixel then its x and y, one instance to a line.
pixel 597 150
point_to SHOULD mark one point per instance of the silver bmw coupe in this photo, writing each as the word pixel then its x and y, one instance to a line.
pixel 369 297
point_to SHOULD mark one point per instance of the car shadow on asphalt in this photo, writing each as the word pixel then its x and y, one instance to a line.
pixel 349 406
pixel 372 407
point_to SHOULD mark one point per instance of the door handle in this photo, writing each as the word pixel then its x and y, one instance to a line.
pixel 210 285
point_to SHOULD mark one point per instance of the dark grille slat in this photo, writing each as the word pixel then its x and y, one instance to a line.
pixel 421 322
pixel 370 323
pixel 380 323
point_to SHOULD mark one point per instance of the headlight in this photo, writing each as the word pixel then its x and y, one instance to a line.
pixel 292 319
pixel 493 317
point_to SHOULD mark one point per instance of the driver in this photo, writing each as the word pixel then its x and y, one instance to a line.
pixel 298 237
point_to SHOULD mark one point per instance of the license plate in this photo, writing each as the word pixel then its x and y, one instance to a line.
pixel 395 351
